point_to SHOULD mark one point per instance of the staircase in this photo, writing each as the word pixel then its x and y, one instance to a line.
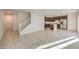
pixel 24 23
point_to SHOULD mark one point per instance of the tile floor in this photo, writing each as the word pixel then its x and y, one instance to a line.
pixel 36 39
pixel 72 46
pixel 11 39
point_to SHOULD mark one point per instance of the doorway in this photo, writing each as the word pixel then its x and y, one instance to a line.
pixel 8 20
pixel 59 21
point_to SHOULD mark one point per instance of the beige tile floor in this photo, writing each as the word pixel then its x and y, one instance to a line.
pixel 12 40
pixel 9 39
pixel 72 46
pixel 39 38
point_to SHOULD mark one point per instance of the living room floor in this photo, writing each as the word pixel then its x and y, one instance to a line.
pixel 72 46
pixel 33 40
pixel 36 39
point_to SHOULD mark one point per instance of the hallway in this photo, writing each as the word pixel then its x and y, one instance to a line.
pixel 11 29
pixel 9 39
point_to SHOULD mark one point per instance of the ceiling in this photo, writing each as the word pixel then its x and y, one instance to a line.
pixel 49 12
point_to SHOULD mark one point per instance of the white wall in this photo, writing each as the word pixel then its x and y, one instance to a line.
pixel 15 22
pixel 37 24
pixel 1 25
pixel 72 21
pixel 78 22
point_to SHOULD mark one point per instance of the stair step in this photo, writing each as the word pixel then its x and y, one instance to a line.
pixel 25 23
